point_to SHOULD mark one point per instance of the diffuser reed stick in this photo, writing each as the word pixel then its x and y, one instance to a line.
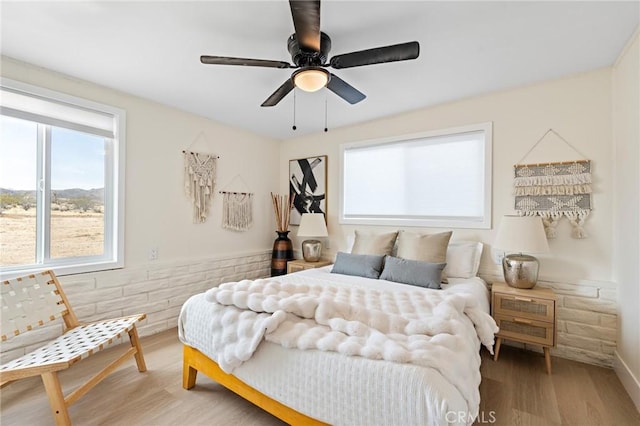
pixel 282 209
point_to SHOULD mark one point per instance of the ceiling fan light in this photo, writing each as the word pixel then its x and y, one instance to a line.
pixel 311 80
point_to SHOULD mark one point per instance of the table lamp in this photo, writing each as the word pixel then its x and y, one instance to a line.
pixel 312 225
pixel 520 234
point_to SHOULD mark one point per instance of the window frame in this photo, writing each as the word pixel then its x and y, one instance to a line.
pixel 433 221
pixel 114 190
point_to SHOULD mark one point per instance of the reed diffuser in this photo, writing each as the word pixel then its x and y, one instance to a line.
pixel 282 247
pixel 282 209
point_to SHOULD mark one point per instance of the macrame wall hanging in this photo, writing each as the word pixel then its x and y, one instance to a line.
pixel 554 190
pixel 237 208
pixel 199 180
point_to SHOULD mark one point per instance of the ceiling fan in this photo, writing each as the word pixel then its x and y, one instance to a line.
pixel 309 49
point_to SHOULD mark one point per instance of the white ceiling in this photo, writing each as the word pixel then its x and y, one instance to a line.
pixel 152 50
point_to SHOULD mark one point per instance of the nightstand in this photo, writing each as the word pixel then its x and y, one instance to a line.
pixel 525 316
pixel 301 265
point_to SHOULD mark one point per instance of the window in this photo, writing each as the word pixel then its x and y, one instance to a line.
pixel 435 179
pixel 61 182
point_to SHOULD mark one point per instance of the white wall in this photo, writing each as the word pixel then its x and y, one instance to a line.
pixel 158 214
pixel 192 257
pixel 577 107
pixel 195 256
pixel 626 265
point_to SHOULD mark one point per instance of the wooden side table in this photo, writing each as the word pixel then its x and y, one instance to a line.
pixel 526 316
pixel 301 265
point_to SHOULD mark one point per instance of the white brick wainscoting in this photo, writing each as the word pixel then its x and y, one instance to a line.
pixel 157 289
pixel 587 320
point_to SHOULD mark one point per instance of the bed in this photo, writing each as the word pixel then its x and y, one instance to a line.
pixel 303 384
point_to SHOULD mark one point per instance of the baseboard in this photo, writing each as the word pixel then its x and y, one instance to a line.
pixel 629 381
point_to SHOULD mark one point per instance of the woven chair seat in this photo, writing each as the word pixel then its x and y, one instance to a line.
pixel 76 344
pixel 32 301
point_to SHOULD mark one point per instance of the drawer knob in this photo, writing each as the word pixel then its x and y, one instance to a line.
pixel 522 321
pixel 523 299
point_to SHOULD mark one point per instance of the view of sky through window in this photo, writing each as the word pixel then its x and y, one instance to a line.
pixel 79 161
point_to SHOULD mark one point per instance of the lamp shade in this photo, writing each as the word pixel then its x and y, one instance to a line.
pixel 312 225
pixel 523 234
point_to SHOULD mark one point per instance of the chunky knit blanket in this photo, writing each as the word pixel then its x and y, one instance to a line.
pixel 429 328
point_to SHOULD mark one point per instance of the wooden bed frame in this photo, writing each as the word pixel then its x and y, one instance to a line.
pixel 194 361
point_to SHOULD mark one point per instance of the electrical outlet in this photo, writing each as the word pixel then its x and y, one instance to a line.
pixel 498 256
pixel 153 253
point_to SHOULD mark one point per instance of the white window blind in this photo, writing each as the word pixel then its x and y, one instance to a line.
pixel 439 178
pixel 20 104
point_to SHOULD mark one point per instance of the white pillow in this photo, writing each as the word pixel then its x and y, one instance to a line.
pixel 463 259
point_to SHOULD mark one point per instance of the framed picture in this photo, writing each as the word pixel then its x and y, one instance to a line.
pixel 308 186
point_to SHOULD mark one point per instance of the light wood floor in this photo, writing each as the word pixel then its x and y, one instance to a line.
pixel 515 391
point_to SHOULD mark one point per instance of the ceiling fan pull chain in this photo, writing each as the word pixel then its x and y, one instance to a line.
pixel 325 112
pixel 294 109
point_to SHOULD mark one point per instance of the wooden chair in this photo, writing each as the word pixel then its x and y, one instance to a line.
pixel 29 302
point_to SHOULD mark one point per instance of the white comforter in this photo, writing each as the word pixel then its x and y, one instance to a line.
pixel 402 324
pixel 417 326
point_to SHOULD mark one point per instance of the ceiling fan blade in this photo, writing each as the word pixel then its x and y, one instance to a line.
pixel 280 93
pixel 227 60
pixel 345 90
pixel 378 55
pixel 306 20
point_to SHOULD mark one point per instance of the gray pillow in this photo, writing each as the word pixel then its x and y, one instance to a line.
pixel 413 272
pixel 361 265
